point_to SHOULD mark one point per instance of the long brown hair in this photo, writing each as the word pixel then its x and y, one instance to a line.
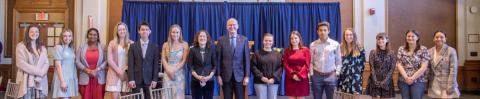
pixel 300 44
pixel 407 47
pixel 27 40
pixel 209 39
pixel 383 35
pixel 356 46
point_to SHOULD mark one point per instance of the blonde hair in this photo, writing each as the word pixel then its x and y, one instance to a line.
pixel 116 38
pixel 356 46
pixel 169 42
pixel 62 42
pixel 180 39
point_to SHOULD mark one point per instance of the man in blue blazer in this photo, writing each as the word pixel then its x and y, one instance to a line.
pixel 234 57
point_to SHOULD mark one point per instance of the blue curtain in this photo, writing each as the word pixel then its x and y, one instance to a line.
pixel 254 19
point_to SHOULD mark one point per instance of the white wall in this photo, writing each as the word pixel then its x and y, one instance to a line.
pixel 461 46
pixel 98 10
pixel 3 10
pixel 368 26
pixel 472 24
pixel 2 19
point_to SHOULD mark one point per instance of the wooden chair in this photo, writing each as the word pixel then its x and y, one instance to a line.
pixel 139 95
pixel 12 90
pixel 161 93
pixel 342 95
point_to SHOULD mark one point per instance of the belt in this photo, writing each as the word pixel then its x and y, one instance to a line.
pixel 323 73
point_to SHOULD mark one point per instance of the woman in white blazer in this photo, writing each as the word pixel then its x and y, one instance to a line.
pixel 444 65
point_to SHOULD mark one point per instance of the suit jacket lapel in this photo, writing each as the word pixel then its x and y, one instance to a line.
pixel 443 52
pixel 149 48
pixel 138 47
pixel 226 41
pixel 239 42
pixel 84 52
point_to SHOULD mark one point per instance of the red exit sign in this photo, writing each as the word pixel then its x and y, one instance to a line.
pixel 42 16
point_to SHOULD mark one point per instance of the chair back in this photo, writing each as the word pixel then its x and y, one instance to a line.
pixel 12 90
pixel 139 95
pixel 342 95
pixel 161 93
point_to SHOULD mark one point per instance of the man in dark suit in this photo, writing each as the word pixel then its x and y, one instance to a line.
pixel 234 57
pixel 143 57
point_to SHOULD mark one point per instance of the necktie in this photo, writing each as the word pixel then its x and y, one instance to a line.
pixel 233 43
pixel 144 49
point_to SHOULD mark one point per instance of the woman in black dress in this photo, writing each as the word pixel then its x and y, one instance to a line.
pixel 382 64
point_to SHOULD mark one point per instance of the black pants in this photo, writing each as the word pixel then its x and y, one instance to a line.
pixel 145 87
pixel 198 91
pixel 229 87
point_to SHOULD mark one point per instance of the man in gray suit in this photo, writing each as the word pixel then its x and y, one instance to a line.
pixel 143 57
pixel 234 57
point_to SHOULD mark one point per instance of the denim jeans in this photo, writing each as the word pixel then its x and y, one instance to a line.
pixel 413 91
pixel 265 91
pixel 323 83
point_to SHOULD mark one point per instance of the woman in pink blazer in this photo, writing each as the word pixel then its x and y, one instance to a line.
pixel 117 61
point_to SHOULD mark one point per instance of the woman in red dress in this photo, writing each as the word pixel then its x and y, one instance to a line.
pixel 296 59
pixel 91 63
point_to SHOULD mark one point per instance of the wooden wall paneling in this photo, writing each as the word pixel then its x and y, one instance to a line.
pixel 52 18
pixel 426 16
pixel 366 74
pixel 5 72
pixel 8 42
pixel 461 77
pixel 71 17
pixel 45 4
pixel 15 37
pixel 114 16
pixel 469 76
pixel 346 13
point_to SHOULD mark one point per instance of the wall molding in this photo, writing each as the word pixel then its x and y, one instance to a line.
pixel 83 8
pixel 461 30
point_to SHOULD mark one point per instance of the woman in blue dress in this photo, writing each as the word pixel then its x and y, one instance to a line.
pixel 174 55
pixel 65 82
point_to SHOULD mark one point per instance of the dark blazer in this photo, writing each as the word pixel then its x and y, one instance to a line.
pixel 236 63
pixel 143 69
pixel 205 67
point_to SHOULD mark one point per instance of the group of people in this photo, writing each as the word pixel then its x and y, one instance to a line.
pixel 329 66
